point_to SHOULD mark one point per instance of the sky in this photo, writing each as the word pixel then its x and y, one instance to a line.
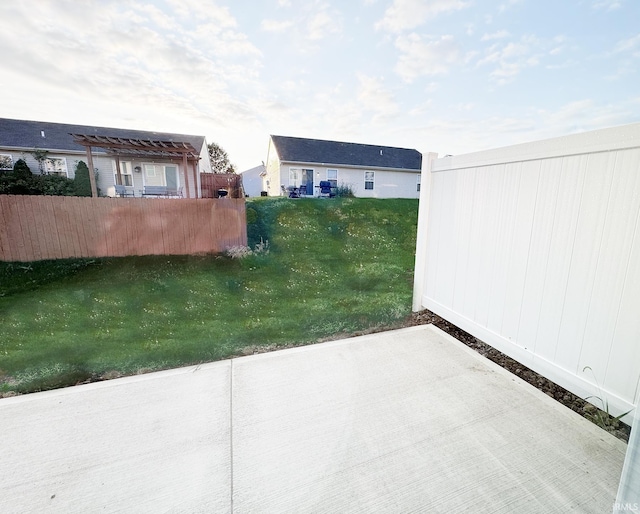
pixel 444 76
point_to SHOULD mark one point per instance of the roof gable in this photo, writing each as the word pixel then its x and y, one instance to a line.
pixel 297 149
pixel 28 134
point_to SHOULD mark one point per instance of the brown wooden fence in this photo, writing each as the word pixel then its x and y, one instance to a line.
pixel 211 183
pixel 58 227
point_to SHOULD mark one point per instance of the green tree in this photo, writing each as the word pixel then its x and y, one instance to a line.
pixel 219 159
pixel 21 170
pixel 82 182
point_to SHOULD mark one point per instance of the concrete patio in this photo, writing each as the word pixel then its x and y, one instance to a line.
pixel 403 421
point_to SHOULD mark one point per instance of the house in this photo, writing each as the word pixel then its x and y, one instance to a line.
pixel 370 171
pixel 252 180
pixel 136 161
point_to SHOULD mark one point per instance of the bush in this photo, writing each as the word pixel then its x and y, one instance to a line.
pixel 17 182
pixel 54 185
pixel 344 191
pixel 21 181
pixel 21 170
pixel 82 182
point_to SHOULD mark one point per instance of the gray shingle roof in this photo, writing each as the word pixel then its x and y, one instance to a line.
pixel 298 149
pixel 28 134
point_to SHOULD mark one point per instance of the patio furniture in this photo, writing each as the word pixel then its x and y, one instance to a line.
pixel 122 191
pixel 161 191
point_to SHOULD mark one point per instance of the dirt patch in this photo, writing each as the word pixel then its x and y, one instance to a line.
pixel 558 393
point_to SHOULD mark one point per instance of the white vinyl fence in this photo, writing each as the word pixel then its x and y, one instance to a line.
pixel 535 250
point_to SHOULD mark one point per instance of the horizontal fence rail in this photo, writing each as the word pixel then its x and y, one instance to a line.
pixel 60 227
pixel 535 249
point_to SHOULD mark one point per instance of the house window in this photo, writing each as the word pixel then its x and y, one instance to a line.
pixel 6 162
pixel 161 175
pixel 56 166
pixel 332 177
pixel 418 182
pixel 368 179
pixel 125 173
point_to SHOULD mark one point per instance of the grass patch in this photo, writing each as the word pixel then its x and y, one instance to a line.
pixel 334 267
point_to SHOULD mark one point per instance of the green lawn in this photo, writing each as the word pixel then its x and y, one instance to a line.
pixel 333 267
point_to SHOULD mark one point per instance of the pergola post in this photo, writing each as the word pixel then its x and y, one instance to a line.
pixel 185 167
pixel 118 172
pixel 197 179
pixel 92 173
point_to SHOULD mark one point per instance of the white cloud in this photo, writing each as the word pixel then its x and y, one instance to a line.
pixel 322 24
pixel 511 58
pixel 425 56
pixel 408 14
pixel 507 5
pixel 501 34
pixel 373 96
pixel 629 45
pixel 124 62
pixel 276 25
pixel 199 12
pixel 607 5
pixel 315 22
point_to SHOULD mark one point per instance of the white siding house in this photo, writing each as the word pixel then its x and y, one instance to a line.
pixel 21 139
pixel 252 180
pixel 370 171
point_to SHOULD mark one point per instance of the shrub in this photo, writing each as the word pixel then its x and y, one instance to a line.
pixel 344 191
pixel 82 182
pixel 54 185
pixel 21 181
pixel 21 170
pixel 17 182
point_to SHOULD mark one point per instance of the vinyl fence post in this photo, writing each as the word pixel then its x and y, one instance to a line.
pixel 420 268
pixel 628 498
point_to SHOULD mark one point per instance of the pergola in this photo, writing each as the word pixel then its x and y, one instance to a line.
pixel 141 149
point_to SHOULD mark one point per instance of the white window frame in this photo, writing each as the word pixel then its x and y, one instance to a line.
pixel 294 176
pixel 56 166
pixel 147 167
pixel 332 181
pixel 418 182
pixel 5 159
pixel 160 170
pixel 126 172
pixel 369 180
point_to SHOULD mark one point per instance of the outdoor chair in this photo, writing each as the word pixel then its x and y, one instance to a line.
pixel 122 191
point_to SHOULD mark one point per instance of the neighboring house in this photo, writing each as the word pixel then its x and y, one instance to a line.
pixel 134 159
pixel 252 180
pixel 369 170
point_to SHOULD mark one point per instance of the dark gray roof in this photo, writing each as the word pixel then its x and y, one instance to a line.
pixel 298 149
pixel 28 134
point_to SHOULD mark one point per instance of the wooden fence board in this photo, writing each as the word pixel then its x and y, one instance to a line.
pixel 4 238
pixel 40 227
